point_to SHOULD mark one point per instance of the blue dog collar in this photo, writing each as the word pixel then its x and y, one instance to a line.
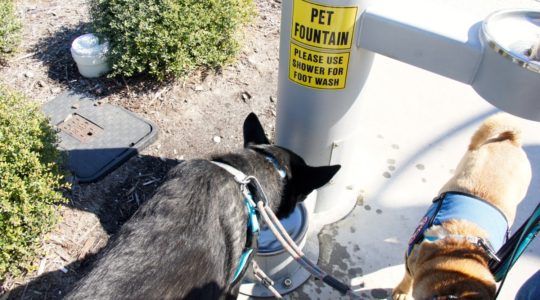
pixel 461 206
pixel 274 161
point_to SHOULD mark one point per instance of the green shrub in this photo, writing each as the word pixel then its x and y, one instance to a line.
pixel 30 180
pixel 9 28
pixel 169 37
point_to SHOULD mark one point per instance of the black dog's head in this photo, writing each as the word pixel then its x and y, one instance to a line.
pixel 300 179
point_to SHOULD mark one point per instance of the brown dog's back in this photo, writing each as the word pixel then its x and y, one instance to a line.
pixel 499 127
pixel 495 167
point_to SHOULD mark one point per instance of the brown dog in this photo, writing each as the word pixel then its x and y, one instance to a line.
pixel 448 254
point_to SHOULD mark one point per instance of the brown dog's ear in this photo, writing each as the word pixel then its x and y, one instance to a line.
pixel 315 177
pixel 254 132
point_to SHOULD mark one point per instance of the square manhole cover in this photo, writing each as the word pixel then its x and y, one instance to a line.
pixel 96 137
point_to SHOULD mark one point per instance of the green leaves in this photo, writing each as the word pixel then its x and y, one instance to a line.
pixel 30 181
pixel 169 37
pixel 10 27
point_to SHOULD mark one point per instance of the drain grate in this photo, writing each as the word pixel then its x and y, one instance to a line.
pixel 80 128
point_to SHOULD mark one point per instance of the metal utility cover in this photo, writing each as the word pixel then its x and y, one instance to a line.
pixel 97 137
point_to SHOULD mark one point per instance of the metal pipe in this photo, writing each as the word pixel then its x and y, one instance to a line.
pixel 434 37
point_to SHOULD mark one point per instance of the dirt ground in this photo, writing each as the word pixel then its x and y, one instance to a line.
pixel 197 116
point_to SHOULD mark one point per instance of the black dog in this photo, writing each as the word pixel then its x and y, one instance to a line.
pixel 186 242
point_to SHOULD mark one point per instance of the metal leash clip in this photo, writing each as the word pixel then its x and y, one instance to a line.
pixel 247 194
pixel 264 279
pixel 258 188
pixel 491 253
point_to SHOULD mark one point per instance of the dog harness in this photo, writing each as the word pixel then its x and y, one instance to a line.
pixel 462 206
pixel 253 230
pixel 253 227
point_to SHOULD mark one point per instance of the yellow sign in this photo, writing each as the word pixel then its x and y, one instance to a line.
pixel 316 69
pixel 321 26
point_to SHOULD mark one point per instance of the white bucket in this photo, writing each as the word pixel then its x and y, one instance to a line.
pixel 90 55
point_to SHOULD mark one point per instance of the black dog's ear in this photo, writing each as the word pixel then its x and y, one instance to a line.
pixel 254 132
pixel 315 177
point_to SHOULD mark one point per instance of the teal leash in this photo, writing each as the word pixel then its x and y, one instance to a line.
pixel 514 248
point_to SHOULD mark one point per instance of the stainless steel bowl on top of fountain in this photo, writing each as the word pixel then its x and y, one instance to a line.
pixel 509 76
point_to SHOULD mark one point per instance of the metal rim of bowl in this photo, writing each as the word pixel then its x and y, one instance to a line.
pixel 298 239
pixel 503 51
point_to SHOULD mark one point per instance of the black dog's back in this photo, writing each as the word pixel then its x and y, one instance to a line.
pixel 186 242
pixel 180 244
